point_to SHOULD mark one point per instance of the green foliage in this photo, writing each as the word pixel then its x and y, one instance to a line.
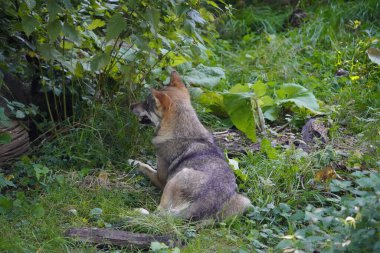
pixel 241 103
pixel 239 108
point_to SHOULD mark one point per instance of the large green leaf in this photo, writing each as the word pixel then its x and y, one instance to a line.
pixel 53 9
pixel 100 61
pixel 95 24
pixel 153 18
pixel 53 29
pixel 204 76
pixel 71 33
pixel 214 102
pixel 29 24
pixel 299 95
pixel 49 52
pixel 239 108
pixel 116 24
pixel 260 88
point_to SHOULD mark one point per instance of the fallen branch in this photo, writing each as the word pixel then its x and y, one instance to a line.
pixel 118 237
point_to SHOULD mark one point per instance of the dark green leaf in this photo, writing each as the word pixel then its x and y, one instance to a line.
pixel 53 9
pixel 49 52
pixel 100 61
pixel 53 29
pixel 115 26
pixel 5 138
pixel 153 18
pixel 71 33
pixel 29 24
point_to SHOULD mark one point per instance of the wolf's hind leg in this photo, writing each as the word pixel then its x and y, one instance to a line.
pixel 148 171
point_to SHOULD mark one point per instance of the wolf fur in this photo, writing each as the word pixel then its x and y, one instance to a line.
pixel 196 180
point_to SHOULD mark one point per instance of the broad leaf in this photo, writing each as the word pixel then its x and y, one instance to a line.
pixel 29 24
pixel 374 55
pixel 204 76
pixel 53 9
pixel 115 26
pixel 96 23
pixel 239 108
pixel 100 61
pixel 49 52
pixel 53 29
pixel 176 59
pixel 260 88
pixel 299 95
pixel 153 18
pixel 214 102
pixel 71 33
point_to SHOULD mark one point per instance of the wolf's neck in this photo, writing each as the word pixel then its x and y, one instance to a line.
pixel 185 125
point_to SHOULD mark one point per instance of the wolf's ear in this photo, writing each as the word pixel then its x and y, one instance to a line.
pixel 161 99
pixel 175 80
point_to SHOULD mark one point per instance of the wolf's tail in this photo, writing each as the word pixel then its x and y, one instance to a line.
pixel 236 205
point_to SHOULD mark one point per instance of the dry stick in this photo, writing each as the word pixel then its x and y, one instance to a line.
pixel 118 237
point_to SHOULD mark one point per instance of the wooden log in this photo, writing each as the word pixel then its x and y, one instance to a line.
pixel 19 142
pixel 118 237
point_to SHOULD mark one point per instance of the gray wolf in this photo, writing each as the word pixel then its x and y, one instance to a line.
pixel 196 180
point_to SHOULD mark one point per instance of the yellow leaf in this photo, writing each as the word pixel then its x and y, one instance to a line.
pixel 354 78
pixel 325 174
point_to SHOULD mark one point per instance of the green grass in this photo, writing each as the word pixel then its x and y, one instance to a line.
pixel 290 204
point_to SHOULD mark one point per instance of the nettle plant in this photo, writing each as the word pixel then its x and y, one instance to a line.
pixel 248 105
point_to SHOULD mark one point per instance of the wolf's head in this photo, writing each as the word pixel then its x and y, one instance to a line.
pixel 161 104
